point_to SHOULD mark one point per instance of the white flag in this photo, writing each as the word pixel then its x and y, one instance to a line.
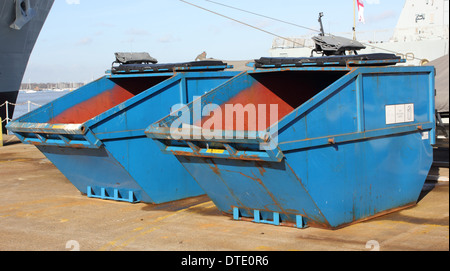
pixel 361 11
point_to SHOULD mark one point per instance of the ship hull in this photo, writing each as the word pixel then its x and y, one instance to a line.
pixel 17 42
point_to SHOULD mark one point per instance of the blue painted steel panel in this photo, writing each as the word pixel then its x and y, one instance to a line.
pixel 342 161
pixel 391 89
pixel 95 168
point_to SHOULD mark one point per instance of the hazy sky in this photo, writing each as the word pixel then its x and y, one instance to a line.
pixel 80 37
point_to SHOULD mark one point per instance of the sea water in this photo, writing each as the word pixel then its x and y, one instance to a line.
pixel 36 98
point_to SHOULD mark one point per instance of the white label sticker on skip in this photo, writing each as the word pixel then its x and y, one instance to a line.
pixel 409 112
pixel 399 113
pixel 390 114
pixel 425 136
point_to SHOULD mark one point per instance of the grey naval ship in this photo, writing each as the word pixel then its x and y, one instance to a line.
pixel 21 22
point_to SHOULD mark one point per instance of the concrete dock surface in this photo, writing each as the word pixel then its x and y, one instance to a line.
pixel 40 210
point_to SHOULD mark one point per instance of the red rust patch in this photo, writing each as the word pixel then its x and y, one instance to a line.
pixel 88 109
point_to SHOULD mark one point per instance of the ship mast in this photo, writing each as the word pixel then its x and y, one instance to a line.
pixel 354 19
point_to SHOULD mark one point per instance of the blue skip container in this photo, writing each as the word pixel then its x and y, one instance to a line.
pixel 95 135
pixel 351 139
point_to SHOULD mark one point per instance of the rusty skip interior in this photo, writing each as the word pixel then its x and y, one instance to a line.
pixel 123 90
pixel 287 90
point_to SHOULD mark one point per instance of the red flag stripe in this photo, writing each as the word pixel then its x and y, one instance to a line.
pixel 360 3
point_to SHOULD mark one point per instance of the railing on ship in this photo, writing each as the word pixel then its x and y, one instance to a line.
pixel 7 104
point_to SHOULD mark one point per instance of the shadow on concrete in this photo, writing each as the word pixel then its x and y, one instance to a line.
pixel 9 140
